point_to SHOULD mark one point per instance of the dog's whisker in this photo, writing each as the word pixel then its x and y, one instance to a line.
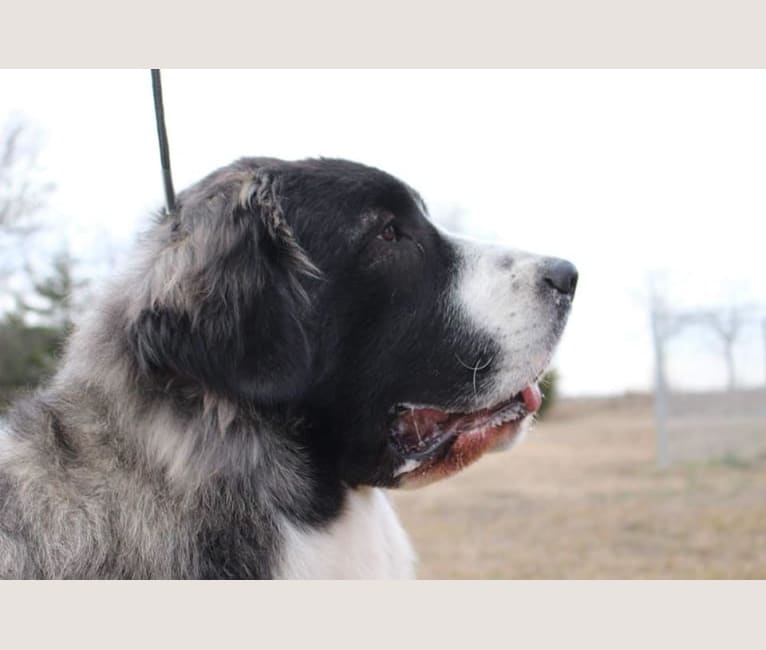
pixel 475 369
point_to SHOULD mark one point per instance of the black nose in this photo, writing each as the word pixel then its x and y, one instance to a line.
pixel 561 276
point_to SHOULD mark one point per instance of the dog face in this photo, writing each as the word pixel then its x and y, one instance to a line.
pixel 319 288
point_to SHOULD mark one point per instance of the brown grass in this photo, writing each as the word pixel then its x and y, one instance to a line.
pixel 583 498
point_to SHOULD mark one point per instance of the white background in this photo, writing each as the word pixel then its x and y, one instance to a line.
pixel 626 173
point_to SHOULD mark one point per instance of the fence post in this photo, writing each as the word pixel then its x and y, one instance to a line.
pixel 660 388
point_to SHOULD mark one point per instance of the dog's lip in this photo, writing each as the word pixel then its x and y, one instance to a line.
pixel 422 433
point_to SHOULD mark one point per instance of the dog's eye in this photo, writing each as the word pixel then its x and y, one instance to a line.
pixel 389 233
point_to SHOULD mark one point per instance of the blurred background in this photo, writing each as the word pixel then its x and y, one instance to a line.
pixel 650 458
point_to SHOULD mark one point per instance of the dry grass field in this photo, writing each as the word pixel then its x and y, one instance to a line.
pixel 582 497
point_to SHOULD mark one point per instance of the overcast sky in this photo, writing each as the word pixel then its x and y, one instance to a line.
pixel 626 173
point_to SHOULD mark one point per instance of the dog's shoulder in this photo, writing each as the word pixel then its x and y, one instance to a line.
pixel 14 553
pixel 365 541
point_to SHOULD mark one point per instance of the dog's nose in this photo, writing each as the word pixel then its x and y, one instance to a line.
pixel 561 275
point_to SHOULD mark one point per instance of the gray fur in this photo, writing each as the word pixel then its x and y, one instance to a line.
pixel 103 476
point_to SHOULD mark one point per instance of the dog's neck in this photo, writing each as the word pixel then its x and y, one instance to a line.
pixel 192 438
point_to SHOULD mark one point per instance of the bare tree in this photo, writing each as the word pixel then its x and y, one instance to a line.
pixel 666 324
pixel 22 194
pixel 727 324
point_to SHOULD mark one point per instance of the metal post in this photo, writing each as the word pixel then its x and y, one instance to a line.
pixel 660 388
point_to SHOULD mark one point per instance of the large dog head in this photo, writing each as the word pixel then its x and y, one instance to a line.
pixel 319 288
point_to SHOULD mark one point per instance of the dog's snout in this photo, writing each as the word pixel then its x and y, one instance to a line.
pixel 560 275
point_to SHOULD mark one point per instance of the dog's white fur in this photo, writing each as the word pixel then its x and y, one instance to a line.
pixel 497 293
pixel 366 541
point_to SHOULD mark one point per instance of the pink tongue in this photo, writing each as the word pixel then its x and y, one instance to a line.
pixel 532 397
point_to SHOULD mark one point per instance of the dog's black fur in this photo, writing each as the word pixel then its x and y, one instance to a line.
pixel 336 341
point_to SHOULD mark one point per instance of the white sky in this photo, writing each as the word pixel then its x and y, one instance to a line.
pixel 623 172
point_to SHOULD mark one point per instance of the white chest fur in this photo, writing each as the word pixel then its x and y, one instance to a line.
pixel 366 541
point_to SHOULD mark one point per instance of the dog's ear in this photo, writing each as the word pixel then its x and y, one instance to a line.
pixel 225 304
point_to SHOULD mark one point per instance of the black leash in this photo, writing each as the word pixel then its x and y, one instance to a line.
pixel 162 134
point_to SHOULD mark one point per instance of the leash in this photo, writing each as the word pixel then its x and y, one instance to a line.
pixel 162 135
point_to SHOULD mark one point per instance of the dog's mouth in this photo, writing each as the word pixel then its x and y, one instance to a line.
pixel 434 443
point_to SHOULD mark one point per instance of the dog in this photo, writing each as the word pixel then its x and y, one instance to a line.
pixel 291 340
